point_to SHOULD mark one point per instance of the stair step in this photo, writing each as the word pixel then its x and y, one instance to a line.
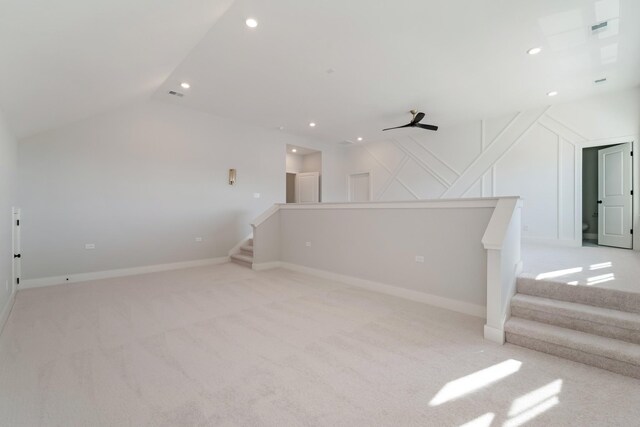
pixel 614 355
pixel 242 259
pixel 597 297
pixel 247 249
pixel 605 322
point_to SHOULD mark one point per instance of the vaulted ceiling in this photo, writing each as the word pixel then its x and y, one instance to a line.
pixel 353 67
pixel 64 60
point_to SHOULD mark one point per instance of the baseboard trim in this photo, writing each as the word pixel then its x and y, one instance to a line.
pixel 437 301
pixel 85 277
pixel 266 265
pixel 6 311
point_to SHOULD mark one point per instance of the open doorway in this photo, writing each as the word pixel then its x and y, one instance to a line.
pixel 607 196
pixel 304 175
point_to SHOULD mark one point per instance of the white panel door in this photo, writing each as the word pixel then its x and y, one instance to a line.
pixel 359 187
pixel 615 199
pixel 308 187
pixel 15 244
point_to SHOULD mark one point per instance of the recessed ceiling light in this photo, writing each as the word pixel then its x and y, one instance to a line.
pixel 552 93
pixel 293 150
pixel 251 23
pixel 359 138
pixel 312 124
pixel 185 85
pixel 534 50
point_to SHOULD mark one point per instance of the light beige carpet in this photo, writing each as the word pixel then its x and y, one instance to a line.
pixel 224 345
pixel 591 266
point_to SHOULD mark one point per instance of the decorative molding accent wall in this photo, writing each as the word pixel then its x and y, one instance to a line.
pixel 535 154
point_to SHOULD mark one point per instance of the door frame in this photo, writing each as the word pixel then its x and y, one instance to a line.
pixel 635 171
pixel 349 175
pixel 16 248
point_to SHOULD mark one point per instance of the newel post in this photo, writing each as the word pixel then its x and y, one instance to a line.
pixel 502 240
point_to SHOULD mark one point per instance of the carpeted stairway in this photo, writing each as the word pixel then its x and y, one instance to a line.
pixel 245 256
pixel 595 326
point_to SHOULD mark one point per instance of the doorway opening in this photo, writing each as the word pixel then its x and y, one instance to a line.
pixel 304 175
pixel 607 196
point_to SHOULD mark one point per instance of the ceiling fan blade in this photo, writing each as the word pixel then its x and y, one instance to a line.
pixel 400 127
pixel 428 127
pixel 417 118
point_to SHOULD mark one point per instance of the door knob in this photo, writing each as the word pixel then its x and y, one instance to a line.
pixel 599 202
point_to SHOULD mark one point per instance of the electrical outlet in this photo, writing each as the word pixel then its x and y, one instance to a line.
pixel 308 244
pixel 525 228
pixel 256 195
pixel 90 246
pixel 198 239
pixel 420 259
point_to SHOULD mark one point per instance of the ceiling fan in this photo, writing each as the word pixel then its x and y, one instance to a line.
pixel 415 122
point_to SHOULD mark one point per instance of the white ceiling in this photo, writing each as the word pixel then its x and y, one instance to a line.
pixel 63 60
pixel 455 60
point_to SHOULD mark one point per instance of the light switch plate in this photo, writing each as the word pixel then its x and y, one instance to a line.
pixel 90 246
pixel 420 259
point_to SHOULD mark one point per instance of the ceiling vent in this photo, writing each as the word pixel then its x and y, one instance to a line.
pixel 174 93
pixel 346 142
pixel 600 81
pixel 596 28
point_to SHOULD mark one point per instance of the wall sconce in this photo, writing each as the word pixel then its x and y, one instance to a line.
pixel 232 176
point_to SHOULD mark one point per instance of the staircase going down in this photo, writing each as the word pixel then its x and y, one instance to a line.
pixel 594 326
pixel 245 256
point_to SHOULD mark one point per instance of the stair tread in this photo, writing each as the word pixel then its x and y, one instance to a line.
pixel 594 344
pixel 245 258
pixel 248 248
pixel 581 294
pixel 579 311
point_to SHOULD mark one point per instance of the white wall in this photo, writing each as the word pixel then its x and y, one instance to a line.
pixel 142 184
pixel 381 245
pixel 297 163
pixel 312 162
pixel 535 154
pixel 294 163
pixel 8 163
